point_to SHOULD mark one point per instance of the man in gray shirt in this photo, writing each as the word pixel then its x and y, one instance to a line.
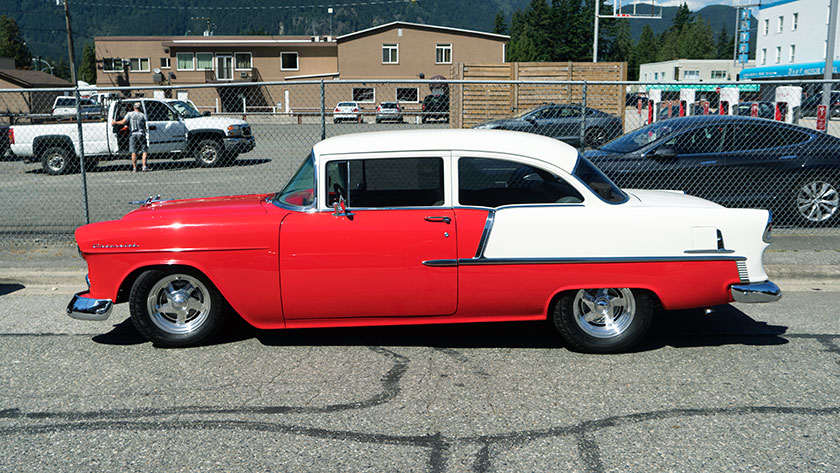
pixel 137 135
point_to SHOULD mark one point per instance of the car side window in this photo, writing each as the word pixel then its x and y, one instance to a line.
pixel 488 182
pixel 756 136
pixel 389 182
pixel 706 139
pixel 158 112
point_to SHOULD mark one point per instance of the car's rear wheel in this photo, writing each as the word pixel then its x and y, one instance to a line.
pixel 208 153
pixel 816 201
pixel 57 160
pixel 604 320
pixel 176 308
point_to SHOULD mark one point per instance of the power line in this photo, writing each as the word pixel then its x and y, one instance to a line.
pixel 265 7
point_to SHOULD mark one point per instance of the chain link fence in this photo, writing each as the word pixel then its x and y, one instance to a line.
pixel 748 144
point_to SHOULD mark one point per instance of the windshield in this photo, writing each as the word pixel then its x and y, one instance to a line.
pixel 185 109
pixel 640 138
pixel 597 182
pixel 300 190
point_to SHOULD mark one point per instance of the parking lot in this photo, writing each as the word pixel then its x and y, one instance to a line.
pixel 749 387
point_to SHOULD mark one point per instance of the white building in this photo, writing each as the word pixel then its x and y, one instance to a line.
pixel 691 70
pixel 791 40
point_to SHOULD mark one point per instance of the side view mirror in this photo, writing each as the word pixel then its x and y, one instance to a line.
pixel 664 152
pixel 340 209
pixel 530 120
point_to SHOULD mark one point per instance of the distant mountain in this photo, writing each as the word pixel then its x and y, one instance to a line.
pixel 42 21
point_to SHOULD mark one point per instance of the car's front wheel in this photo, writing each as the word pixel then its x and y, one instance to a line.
pixel 176 308
pixel 604 320
pixel 816 200
pixel 208 153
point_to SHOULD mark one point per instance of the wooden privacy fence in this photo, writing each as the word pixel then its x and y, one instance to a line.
pixel 476 103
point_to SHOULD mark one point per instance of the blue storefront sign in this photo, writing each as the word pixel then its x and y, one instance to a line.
pixel 791 70
pixel 743 58
pixel 744 36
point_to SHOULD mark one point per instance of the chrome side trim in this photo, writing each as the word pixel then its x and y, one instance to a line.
pixel 743 273
pixel 85 308
pixel 718 251
pixel 485 235
pixel 765 291
pixel 622 259
pixel 441 263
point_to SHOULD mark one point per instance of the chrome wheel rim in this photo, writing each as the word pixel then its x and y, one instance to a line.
pixel 55 161
pixel 604 313
pixel 178 304
pixel 209 154
pixel 817 201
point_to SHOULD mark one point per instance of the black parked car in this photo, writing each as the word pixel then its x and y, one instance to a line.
pixel 4 141
pixel 810 104
pixel 435 107
pixel 563 122
pixel 765 109
pixel 734 161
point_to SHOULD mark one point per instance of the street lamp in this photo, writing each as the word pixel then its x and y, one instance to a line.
pixel 38 60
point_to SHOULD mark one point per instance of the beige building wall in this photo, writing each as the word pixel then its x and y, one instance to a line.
pixel 360 54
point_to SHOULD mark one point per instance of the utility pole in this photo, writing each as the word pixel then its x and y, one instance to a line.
pixel 78 107
pixel 829 56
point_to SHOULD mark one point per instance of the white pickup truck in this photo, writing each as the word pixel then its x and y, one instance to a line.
pixel 174 129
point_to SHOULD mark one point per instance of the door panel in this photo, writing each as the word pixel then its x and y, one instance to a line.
pixel 165 131
pixel 367 266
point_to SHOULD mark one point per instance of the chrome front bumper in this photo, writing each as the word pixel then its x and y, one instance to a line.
pixel 756 292
pixel 239 144
pixel 85 308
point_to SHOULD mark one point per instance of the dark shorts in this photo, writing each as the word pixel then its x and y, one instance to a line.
pixel 137 143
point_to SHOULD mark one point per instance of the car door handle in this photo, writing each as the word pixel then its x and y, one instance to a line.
pixel 152 127
pixel 438 219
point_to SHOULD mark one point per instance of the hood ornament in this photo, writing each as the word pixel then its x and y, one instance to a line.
pixel 145 203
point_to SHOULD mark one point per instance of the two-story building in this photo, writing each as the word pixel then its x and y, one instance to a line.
pixel 394 51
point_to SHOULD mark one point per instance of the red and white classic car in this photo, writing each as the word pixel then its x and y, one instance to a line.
pixel 427 227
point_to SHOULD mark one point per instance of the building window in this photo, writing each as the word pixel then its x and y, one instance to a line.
pixel 443 54
pixel 655 76
pixel 112 64
pixel 408 94
pixel 766 26
pixel 718 75
pixel 164 63
pixel 794 24
pixel 390 54
pixel 243 61
pixel 204 61
pixel 781 24
pixel 691 75
pixel 138 64
pixel 185 61
pixel 289 61
pixel 778 57
pixel 763 56
pixel 792 52
pixel 364 94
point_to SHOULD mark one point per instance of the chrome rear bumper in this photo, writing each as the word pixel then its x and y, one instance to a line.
pixel 756 292
pixel 84 308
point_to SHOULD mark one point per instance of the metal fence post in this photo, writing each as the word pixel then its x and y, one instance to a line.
pixel 323 113
pixel 583 119
pixel 82 152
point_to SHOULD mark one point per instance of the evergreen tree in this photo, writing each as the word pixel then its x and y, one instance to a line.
pixel 625 50
pixel 499 26
pixel 12 44
pixel 647 49
pixel 87 70
pixel 725 44
pixel 682 18
pixel 62 69
pixel 539 20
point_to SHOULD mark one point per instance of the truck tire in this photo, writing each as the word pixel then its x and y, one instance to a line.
pixel 208 153
pixel 57 160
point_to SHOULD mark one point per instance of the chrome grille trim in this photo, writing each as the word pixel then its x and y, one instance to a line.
pixel 743 274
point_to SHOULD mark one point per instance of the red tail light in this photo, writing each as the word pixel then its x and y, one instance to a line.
pixel 377 108
pixel 424 107
pixel 11 136
pixel 355 109
pixel 337 110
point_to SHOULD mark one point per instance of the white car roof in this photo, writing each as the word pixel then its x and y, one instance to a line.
pixel 499 141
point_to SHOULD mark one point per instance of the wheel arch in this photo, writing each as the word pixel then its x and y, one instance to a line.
pixel 124 288
pixel 44 142
pixel 194 136
pixel 555 298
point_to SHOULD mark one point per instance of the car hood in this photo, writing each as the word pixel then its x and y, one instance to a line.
pixel 667 198
pixel 212 122
pixel 237 206
pixel 503 122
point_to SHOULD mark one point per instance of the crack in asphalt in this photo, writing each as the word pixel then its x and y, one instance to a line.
pixel 439 446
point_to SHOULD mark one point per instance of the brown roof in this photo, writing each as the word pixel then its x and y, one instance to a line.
pixel 204 41
pixel 435 28
pixel 32 79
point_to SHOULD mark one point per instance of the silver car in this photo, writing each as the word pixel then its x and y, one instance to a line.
pixel 389 111
pixel 347 111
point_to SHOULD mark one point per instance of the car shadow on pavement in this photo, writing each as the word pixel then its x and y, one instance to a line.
pixel 680 329
pixel 10 288
pixel 157 166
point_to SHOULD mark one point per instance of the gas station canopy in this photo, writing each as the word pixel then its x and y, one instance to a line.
pixel 704 87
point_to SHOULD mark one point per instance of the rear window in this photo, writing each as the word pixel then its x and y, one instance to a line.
pixel 347 104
